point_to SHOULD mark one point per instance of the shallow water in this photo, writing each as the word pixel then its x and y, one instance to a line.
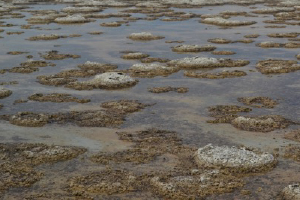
pixel 184 113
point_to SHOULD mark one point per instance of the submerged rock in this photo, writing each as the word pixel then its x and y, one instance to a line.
pixel 236 159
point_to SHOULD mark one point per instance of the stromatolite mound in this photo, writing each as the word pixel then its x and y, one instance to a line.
pixel 234 158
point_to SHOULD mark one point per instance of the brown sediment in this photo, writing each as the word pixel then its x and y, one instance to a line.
pixel 220 41
pixel 16 52
pixel 265 123
pixel 258 102
pixel 223 52
pixel 219 75
pixel 292 151
pixel 53 55
pixel 252 36
pixel 17 170
pixel 168 89
pixel 56 97
pixel 151 60
pixel 225 113
pixel 111 24
pixel 283 35
pixel 135 55
pixel 4 93
pixel 46 37
pixel 193 48
pixel 277 66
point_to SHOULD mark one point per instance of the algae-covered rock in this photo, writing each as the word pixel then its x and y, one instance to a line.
pixel 54 55
pixel 233 158
pixel 168 89
pixel 193 48
pixel 29 119
pixel 56 97
pixel 220 40
pixel 104 182
pixel 127 106
pixel 72 19
pixel 107 80
pixel 46 37
pixel 274 66
pixel 136 55
pixel 4 93
pixel 81 9
pixel 144 36
pixel 151 70
pixel 99 67
pixel 220 75
pixel 258 102
pixel 226 22
pixel 291 192
pixel 265 123
pixel 205 62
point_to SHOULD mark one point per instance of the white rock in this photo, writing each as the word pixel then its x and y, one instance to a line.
pixel 232 157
